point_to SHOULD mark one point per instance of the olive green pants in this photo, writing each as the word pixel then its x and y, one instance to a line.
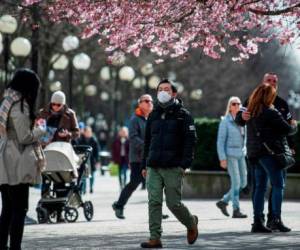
pixel 169 180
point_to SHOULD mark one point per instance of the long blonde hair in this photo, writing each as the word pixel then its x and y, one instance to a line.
pixel 231 99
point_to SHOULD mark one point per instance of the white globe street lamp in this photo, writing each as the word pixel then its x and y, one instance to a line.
pixel 126 73
pixel 1 47
pixel 20 46
pixel 104 96
pixel 55 86
pixel 147 69
pixel 82 61
pixel 153 82
pixel 60 61
pixel 70 43
pixel 90 90
pixel 105 73
pixel 139 82
pixel 8 24
pixel 196 94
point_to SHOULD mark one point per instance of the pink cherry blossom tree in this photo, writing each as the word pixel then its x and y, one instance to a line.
pixel 174 27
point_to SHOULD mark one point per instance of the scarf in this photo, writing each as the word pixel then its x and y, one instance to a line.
pixel 9 98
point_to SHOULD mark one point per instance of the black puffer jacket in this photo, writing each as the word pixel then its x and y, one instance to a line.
pixel 269 127
pixel 170 137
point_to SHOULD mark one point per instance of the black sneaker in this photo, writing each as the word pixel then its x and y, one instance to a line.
pixel 277 225
pixel 118 211
pixel 237 214
pixel 223 207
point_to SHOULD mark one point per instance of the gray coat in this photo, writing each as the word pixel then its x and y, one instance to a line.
pixel 137 127
pixel 17 157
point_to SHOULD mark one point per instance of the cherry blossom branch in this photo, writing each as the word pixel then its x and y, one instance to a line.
pixel 275 12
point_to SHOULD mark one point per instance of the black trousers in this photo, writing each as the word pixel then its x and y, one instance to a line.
pixel 135 179
pixel 14 209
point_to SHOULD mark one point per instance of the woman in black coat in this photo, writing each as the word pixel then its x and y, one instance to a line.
pixel 267 129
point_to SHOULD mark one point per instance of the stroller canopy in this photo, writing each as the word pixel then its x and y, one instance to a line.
pixel 60 156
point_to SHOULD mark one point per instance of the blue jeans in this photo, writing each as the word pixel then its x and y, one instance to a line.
pixel 123 174
pixel 237 170
pixel 264 169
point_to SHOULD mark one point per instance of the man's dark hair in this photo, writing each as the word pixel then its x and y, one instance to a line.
pixel 27 83
pixel 173 87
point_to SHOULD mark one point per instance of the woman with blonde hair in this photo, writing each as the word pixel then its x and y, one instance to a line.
pixel 267 130
pixel 231 147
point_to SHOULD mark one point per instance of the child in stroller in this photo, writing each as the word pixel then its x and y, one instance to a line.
pixel 65 165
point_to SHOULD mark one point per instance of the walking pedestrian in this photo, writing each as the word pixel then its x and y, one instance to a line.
pixel 244 115
pixel 18 147
pixel 169 145
pixel 88 139
pixel 267 130
pixel 136 148
pixel 120 155
pixel 231 147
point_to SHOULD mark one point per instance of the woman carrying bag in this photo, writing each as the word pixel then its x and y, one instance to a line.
pixel 21 157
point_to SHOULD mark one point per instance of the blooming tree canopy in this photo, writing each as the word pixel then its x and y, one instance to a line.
pixel 173 27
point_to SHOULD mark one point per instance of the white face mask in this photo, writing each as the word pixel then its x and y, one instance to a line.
pixel 163 97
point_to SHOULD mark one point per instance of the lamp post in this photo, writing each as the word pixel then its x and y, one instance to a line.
pixel 8 25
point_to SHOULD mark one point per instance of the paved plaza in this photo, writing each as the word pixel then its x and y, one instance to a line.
pixel 107 232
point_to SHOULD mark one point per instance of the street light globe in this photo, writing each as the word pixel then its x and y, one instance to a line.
pixel 82 61
pixel 1 38
pixel 196 94
pixel 1 47
pixel 118 58
pixel 51 75
pixel 59 61
pixel 104 96
pixel 139 82
pixel 90 90
pixel 179 86
pixel 153 82
pixel 20 46
pixel 105 73
pixel 70 43
pixel 55 86
pixel 147 69
pixel 8 24
pixel 126 73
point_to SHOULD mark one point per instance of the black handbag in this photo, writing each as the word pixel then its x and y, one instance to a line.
pixel 284 160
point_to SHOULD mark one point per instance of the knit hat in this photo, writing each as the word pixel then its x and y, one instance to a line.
pixel 58 97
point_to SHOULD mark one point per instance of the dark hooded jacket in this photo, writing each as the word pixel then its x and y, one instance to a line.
pixel 170 137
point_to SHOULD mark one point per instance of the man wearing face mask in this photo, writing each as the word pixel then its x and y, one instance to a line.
pixel 169 144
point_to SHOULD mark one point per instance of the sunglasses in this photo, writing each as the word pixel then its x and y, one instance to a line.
pixel 235 104
pixel 56 104
pixel 271 80
pixel 146 101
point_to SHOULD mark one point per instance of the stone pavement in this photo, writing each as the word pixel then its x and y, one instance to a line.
pixel 106 232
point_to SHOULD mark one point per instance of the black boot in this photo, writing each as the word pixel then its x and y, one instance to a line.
pixel 237 214
pixel 277 225
pixel 259 227
pixel 118 211
pixel 223 207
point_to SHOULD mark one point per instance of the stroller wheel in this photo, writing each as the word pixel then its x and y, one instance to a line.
pixel 53 217
pixel 42 215
pixel 71 214
pixel 88 210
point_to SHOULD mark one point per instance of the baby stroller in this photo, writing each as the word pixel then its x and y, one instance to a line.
pixel 65 167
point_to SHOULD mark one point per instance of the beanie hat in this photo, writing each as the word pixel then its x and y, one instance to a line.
pixel 58 97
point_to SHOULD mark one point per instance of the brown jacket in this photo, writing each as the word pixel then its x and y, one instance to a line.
pixel 68 121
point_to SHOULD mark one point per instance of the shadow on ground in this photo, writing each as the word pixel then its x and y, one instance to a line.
pixel 228 240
